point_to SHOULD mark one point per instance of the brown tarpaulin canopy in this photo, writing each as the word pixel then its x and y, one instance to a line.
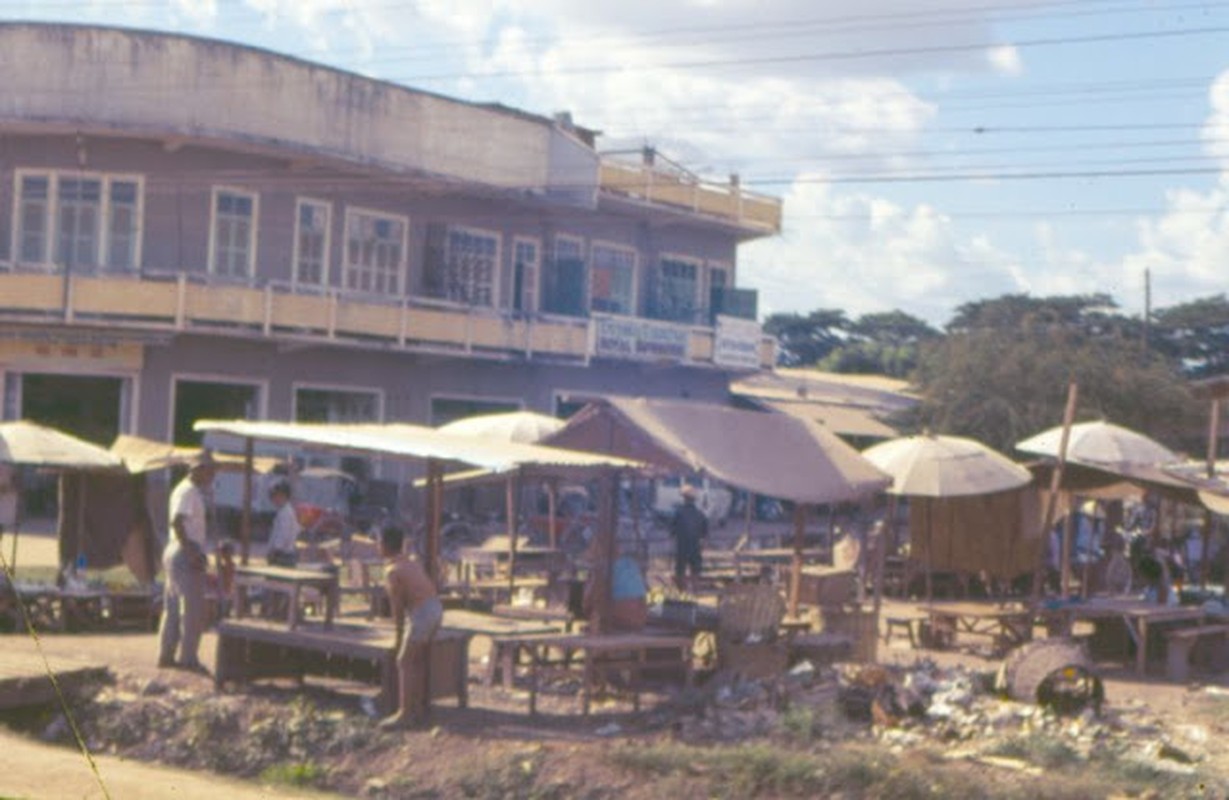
pixel 996 533
pixel 770 454
pixel 116 519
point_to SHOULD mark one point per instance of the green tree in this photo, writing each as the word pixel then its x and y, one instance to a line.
pixel 884 343
pixel 1001 385
pixel 807 338
pixel 1196 335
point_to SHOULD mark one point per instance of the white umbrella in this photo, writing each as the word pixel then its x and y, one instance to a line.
pixel 945 466
pixel 1100 443
pixel 526 427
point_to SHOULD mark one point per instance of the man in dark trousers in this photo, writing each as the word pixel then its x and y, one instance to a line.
pixel 689 529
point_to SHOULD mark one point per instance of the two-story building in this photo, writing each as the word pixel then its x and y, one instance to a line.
pixel 192 228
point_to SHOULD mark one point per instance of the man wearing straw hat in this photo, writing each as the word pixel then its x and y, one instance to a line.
pixel 184 562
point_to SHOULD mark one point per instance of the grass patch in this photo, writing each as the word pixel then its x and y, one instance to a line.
pixel 1038 749
pixel 802 724
pixel 295 774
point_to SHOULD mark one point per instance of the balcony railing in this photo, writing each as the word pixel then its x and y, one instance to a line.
pixel 182 302
pixel 731 202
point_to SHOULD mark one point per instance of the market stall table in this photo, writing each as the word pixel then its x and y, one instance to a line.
pixel 1136 615
pixel 1006 626
pixel 506 636
pixel 630 655
pixel 250 649
pixel 289 582
pixel 550 615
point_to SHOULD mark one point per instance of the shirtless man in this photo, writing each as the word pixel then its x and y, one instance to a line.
pixel 411 594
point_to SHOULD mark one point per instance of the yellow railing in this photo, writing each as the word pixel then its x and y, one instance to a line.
pixel 176 303
pixel 749 209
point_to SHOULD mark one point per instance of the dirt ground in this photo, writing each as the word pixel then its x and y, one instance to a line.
pixel 721 740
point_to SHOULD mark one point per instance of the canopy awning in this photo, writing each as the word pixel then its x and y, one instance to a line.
pixel 147 455
pixel 31 445
pixel 401 440
pixel 765 453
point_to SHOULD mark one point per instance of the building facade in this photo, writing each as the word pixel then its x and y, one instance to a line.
pixel 191 228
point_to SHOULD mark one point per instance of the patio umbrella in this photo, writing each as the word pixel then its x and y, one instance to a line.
pixel 526 427
pixel 27 444
pixel 944 466
pixel 1100 443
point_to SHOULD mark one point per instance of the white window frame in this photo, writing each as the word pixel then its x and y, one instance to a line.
pixel 51 216
pixel 496 271
pixel 343 281
pixel 130 406
pixel 310 386
pixel 536 290
pixel 579 241
pixel 261 384
pixel 701 278
pixel 253 237
pixel 299 202
pixel 621 248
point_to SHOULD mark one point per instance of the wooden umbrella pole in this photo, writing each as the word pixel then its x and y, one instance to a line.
pixel 1047 520
pixel 930 546
pixel 245 521
pixel 795 578
pixel 881 553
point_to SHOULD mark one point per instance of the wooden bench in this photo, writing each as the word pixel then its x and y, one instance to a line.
pixel 910 623
pixel 1180 643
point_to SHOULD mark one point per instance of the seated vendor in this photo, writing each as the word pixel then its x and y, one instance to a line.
pixel 628 592
pixel 283 551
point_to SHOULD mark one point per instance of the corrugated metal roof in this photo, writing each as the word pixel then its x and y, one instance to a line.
pixel 416 442
pixel 841 420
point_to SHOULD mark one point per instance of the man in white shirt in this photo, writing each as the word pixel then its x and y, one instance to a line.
pixel 184 562
pixel 286 529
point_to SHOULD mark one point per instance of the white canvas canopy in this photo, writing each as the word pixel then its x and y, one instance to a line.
pixel 526 427
pixel 945 466
pixel 31 445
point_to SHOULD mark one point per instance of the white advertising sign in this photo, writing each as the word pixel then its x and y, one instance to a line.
pixel 638 339
pixel 737 343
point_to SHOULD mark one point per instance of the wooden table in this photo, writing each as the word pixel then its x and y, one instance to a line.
pixel 549 615
pixel 507 639
pixel 250 649
pixel 1007 626
pixel 629 654
pixel 290 582
pixel 1136 615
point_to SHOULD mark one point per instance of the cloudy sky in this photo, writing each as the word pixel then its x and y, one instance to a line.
pixel 928 153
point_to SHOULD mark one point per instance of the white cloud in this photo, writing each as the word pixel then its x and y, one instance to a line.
pixel 864 253
pixel 1006 60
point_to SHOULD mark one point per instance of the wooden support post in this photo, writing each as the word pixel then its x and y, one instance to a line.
pixel 605 552
pixel 795 578
pixel 245 521
pixel 880 536
pixel 929 505
pixel 510 510
pixel 1047 520
pixel 435 516
pixel 552 526
pixel 1213 441
pixel 1068 535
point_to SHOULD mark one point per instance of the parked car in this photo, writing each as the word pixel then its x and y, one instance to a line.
pixel 712 497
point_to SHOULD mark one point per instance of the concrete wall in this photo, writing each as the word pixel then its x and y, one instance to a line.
pixel 168 85
pixel 409 382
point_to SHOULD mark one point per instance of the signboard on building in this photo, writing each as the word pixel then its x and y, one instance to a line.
pixel 737 343
pixel 638 339
pixel 70 354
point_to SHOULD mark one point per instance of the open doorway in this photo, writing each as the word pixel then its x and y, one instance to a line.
pixel 199 399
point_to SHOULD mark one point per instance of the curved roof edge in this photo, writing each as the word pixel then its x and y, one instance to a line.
pixel 127 79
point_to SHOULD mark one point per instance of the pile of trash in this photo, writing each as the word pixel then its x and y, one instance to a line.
pixel 963 712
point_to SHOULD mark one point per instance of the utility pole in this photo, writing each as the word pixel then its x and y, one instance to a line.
pixel 1147 308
